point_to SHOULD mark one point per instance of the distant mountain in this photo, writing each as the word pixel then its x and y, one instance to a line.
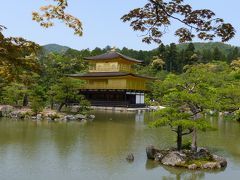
pixel 55 48
pixel 224 48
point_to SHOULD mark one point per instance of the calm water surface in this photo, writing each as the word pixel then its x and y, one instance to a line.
pixel 97 150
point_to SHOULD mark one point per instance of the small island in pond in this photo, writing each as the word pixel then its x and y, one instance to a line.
pixel 201 159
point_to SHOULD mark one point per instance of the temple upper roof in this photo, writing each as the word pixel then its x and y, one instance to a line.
pixel 112 55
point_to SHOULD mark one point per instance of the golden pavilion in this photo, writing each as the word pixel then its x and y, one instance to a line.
pixel 111 81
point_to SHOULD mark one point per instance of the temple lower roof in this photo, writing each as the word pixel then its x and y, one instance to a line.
pixel 107 74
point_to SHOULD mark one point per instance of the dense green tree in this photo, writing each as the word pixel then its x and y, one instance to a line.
pixel 181 59
pixel 180 122
pixel 57 66
pixel 190 95
pixel 23 85
pixel 66 91
pixel 171 57
pixel 190 56
pixel 229 94
pixel 206 55
pixel 36 88
pixel 162 51
pixel 233 54
pixel 97 51
pixel 13 94
pixel 38 99
pixel 216 54
pixel 157 63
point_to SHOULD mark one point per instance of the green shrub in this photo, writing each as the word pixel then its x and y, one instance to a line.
pixel 37 104
pixel 237 115
pixel 84 105
pixel 186 145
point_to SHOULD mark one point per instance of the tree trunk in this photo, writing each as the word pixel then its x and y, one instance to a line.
pixel 179 138
pixel 194 140
pixel 51 103
pixel 60 107
pixel 194 135
pixel 25 100
pixel 51 106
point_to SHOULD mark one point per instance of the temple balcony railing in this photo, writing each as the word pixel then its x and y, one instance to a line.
pixel 110 69
pixel 116 86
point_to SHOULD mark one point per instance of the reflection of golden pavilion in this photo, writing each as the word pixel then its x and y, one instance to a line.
pixel 111 81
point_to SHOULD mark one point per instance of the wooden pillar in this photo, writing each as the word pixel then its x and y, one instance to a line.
pixel 107 95
pixel 125 97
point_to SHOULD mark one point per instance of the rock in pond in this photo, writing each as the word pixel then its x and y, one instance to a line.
pixel 80 116
pixel 222 161
pixel 130 157
pixel 69 118
pixel 91 116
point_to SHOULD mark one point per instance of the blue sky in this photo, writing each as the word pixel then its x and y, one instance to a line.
pixel 101 22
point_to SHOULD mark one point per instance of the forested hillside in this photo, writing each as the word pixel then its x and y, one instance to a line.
pixel 55 48
pixel 200 46
pixel 174 56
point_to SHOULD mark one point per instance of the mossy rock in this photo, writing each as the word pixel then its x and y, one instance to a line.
pixel 202 159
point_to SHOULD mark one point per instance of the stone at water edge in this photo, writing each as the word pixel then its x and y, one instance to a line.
pixel 80 116
pixel 174 158
pixel 13 115
pixel 6 109
pixel 158 156
pixel 192 166
pixel 91 116
pixel 151 152
pixel 49 119
pixel 211 165
pixel 222 161
pixel 69 118
pixel 203 153
pixel 39 117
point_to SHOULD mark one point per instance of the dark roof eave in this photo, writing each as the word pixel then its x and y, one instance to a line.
pixel 107 74
pixel 112 55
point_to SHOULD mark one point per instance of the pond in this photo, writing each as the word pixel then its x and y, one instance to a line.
pixel 97 149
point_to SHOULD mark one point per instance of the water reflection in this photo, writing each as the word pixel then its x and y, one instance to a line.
pixel 139 117
pixel 183 175
pixel 224 140
pixel 151 164
pixel 180 173
pixel 98 149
